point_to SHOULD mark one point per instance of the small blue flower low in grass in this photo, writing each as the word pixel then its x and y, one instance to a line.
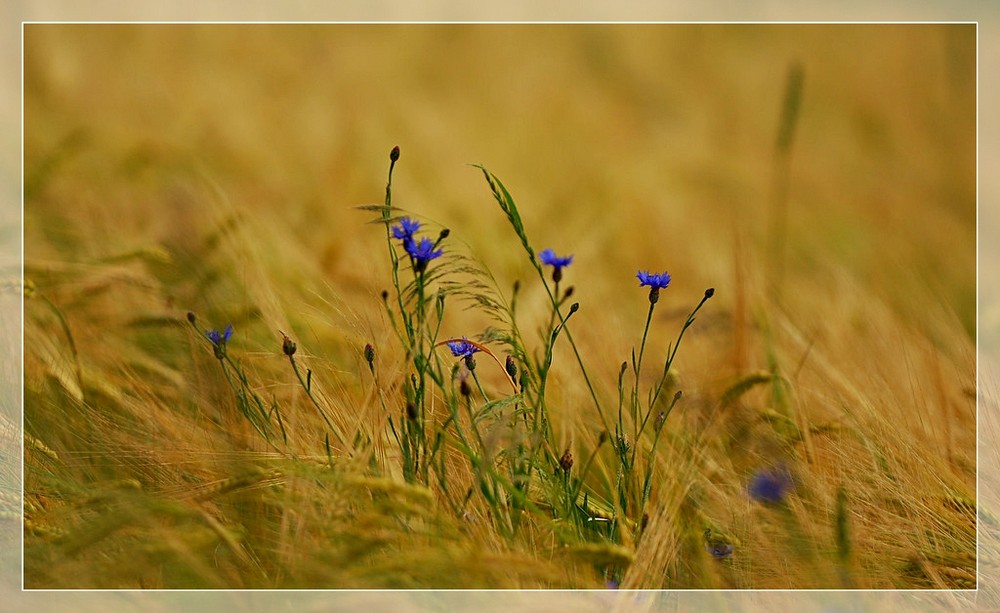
pixel 770 485
pixel 219 340
pixel 462 348
pixel 721 551
pixel 549 258
pixel 422 252
pixel 717 546
pixel 406 229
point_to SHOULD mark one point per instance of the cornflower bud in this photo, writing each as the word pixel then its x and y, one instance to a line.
pixel 287 345
pixel 566 461
pixel 511 367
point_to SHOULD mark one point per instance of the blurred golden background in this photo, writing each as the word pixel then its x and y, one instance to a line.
pixel 225 162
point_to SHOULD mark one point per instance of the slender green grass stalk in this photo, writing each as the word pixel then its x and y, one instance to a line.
pixel 509 208
pixel 781 168
pixel 843 538
pixel 248 401
pixel 307 386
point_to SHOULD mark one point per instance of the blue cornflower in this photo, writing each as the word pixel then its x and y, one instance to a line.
pixel 549 258
pixel 219 340
pixel 717 545
pixel 462 348
pixel 770 485
pixel 406 229
pixel 421 252
pixel 656 282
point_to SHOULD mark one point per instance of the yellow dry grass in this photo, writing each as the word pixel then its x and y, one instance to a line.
pixel 215 169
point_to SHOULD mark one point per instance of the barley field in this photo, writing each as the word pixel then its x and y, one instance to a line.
pixel 300 313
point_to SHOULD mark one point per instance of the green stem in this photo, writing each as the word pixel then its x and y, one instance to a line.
pixel 637 368
pixel 670 360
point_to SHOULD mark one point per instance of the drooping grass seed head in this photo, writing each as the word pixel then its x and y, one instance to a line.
pixel 656 282
pixel 549 258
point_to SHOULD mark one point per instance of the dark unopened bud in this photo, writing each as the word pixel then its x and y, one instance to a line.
pixel 574 308
pixel 369 354
pixel 709 293
pixel 394 154
pixel 511 367
pixel 644 522
pixel 464 389
pixel 677 395
pixel 566 461
pixel 623 368
pixel 444 234
pixel 654 295
pixel 470 362
pixel 557 274
pixel 411 411
pixel 517 286
pixel 191 317
pixel 603 437
pixel 385 294
pixel 287 345
pixel 568 292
